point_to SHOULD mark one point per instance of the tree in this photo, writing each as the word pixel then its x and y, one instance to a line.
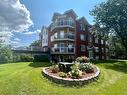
pixel 35 43
pixel 112 15
pixel 116 48
pixel 5 54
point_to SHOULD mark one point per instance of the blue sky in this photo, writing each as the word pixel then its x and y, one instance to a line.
pixel 41 12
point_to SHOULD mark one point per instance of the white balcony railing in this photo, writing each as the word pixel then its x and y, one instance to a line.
pixel 66 36
pixel 62 23
pixel 62 50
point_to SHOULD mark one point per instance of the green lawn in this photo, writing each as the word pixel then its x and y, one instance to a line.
pixel 26 79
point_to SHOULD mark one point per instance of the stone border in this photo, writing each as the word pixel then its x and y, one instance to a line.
pixel 70 82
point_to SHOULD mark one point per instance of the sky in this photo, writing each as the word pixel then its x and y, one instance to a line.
pixel 23 19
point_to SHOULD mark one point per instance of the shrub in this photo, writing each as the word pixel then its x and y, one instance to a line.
pixel 88 68
pixel 62 74
pixel 22 58
pixel 26 58
pixel 5 54
pixel 83 59
pixel 54 69
pixel 75 72
pixel 41 58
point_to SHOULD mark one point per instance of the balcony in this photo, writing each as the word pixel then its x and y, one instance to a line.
pixel 68 37
pixel 62 50
pixel 64 23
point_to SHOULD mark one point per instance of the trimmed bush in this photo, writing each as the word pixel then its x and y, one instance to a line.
pixel 41 58
pixel 23 58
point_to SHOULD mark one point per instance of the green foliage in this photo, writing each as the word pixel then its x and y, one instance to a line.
pixel 83 59
pixel 75 72
pixel 5 54
pixel 41 58
pixel 112 15
pixel 116 47
pixel 35 43
pixel 54 68
pixel 62 74
pixel 22 58
pixel 87 67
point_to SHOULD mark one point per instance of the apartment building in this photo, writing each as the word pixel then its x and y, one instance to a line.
pixel 43 37
pixel 70 37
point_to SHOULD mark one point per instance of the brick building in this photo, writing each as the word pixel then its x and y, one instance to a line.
pixel 69 37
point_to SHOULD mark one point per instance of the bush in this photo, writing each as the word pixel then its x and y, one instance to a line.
pixel 41 58
pixel 26 58
pixel 22 58
pixel 75 72
pixel 54 69
pixel 62 74
pixel 83 59
pixel 5 54
pixel 88 68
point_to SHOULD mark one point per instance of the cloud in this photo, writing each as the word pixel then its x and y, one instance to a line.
pixel 5 37
pixel 14 17
pixel 32 33
pixel 17 39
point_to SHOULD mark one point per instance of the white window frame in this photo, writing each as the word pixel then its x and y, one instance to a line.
pixel 62 34
pixel 82 37
pixel 83 46
pixel 96 40
pixel 102 41
pixel 96 49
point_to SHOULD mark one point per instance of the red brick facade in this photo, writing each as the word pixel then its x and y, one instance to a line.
pixel 69 37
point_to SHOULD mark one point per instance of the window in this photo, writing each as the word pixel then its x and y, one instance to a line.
pixel 62 47
pixel 55 45
pixel 61 44
pixel 102 42
pixel 90 38
pixel 106 50
pixel 52 38
pixel 55 35
pixel 61 34
pixel 106 43
pixel 96 49
pixel 61 21
pixel 82 27
pixel 96 40
pixel 102 49
pixel 83 48
pixel 103 57
pixel 97 57
pixel 82 37
pixel 70 45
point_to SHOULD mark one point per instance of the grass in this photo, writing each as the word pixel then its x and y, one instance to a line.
pixel 25 78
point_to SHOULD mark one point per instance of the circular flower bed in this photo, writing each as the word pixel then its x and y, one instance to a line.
pixel 78 73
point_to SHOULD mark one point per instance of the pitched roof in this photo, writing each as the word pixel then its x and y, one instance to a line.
pixel 71 11
pixel 83 19
pixel 66 12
